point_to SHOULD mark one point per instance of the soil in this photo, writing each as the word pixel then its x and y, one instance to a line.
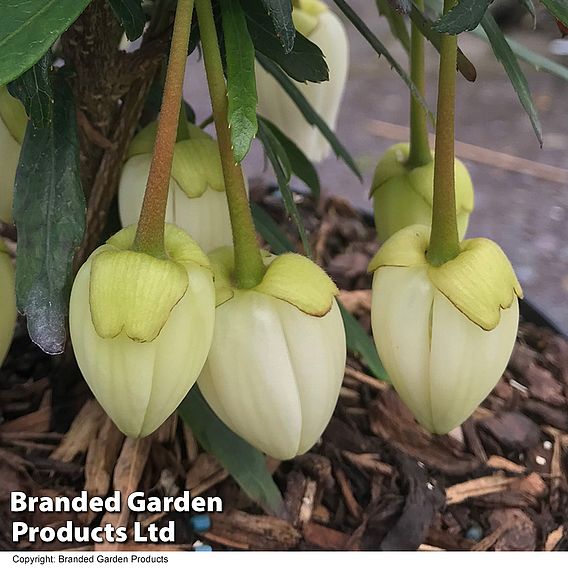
pixel 375 481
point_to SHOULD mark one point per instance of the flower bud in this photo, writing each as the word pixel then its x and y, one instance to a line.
pixel 13 121
pixel 313 19
pixel 444 334
pixel 278 355
pixel 141 327
pixel 197 201
pixel 403 196
pixel 8 312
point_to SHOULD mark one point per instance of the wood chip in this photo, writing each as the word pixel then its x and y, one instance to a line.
pixel 499 462
pixel 38 421
pixel 477 487
pixel 553 539
pixel 205 473
pixel 365 379
pixel 324 538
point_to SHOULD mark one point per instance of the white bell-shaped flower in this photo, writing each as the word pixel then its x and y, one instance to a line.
pixel 278 355
pixel 141 327
pixel 8 311
pixel 444 334
pixel 314 20
pixel 197 201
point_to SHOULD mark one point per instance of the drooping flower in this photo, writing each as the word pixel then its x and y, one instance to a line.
pixel 8 312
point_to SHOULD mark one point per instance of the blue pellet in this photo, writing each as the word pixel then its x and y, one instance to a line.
pixel 201 523
pixel 475 532
pixel 203 548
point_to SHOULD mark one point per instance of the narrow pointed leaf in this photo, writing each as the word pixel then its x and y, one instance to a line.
pixel 558 8
pixel 35 91
pixel 299 163
pixel 28 28
pixel 241 83
pixel 277 156
pixel 270 231
pixel 380 49
pixel 308 111
pixel 505 55
pixel 246 464
pixel 49 212
pixel 131 17
pixel 396 22
pixel 281 13
pixel 464 16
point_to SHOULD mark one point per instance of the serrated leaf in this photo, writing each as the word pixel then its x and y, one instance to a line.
pixel 505 55
pixel 558 8
pixel 539 62
pixel 131 17
pixel 241 82
pixel 246 464
pixel 361 344
pixel 396 23
pixel 270 231
pixel 304 62
pixel 464 16
pixel 465 66
pixel 28 28
pixel 35 91
pixel 281 13
pixel 299 163
pixel 49 212
pixel 380 49
pixel 282 169
pixel 308 111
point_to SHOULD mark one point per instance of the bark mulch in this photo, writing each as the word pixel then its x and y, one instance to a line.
pixel 376 480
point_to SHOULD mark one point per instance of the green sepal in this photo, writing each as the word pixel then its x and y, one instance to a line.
pixel 290 277
pixel 13 115
pixel 479 282
pixel 421 179
pixel 133 292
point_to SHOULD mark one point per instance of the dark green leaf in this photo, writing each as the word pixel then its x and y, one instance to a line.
pixel 505 55
pixel 465 16
pixel 305 62
pixel 539 62
pixel 396 22
pixel 131 17
pixel 281 13
pixel 465 66
pixel 270 231
pixel 28 28
pixel 361 344
pixel 49 212
pixel 558 8
pixel 246 464
pixel 241 84
pixel 376 44
pixel 529 5
pixel 307 111
pixel 300 165
pixel 34 89
pixel 282 169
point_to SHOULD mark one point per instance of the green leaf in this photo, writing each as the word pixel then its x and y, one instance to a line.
pixel 558 8
pixel 376 44
pixel 35 91
pixel 28 28
pixel 281 13
pixel 396 23
pixel 130 15
pixel 465 16
pixel 505 55
pixel 465 66
pixel 361 344
pixel 241 82
pixel 246 464
pixel 299 163
pixel 539 62
pixel 270 231
pixel 307 111
pixel 401 6
pixel 49 212
pixel 529 6
pixel 277 156
pixel 304 62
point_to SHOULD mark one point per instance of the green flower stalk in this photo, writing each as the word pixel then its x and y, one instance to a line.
pixel 13 122
pixel 444 314
pixel 313 19
pixel 142 307
pixel 197 201
pixel 8 313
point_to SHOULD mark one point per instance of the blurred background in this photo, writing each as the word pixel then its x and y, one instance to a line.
pixel 521 204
